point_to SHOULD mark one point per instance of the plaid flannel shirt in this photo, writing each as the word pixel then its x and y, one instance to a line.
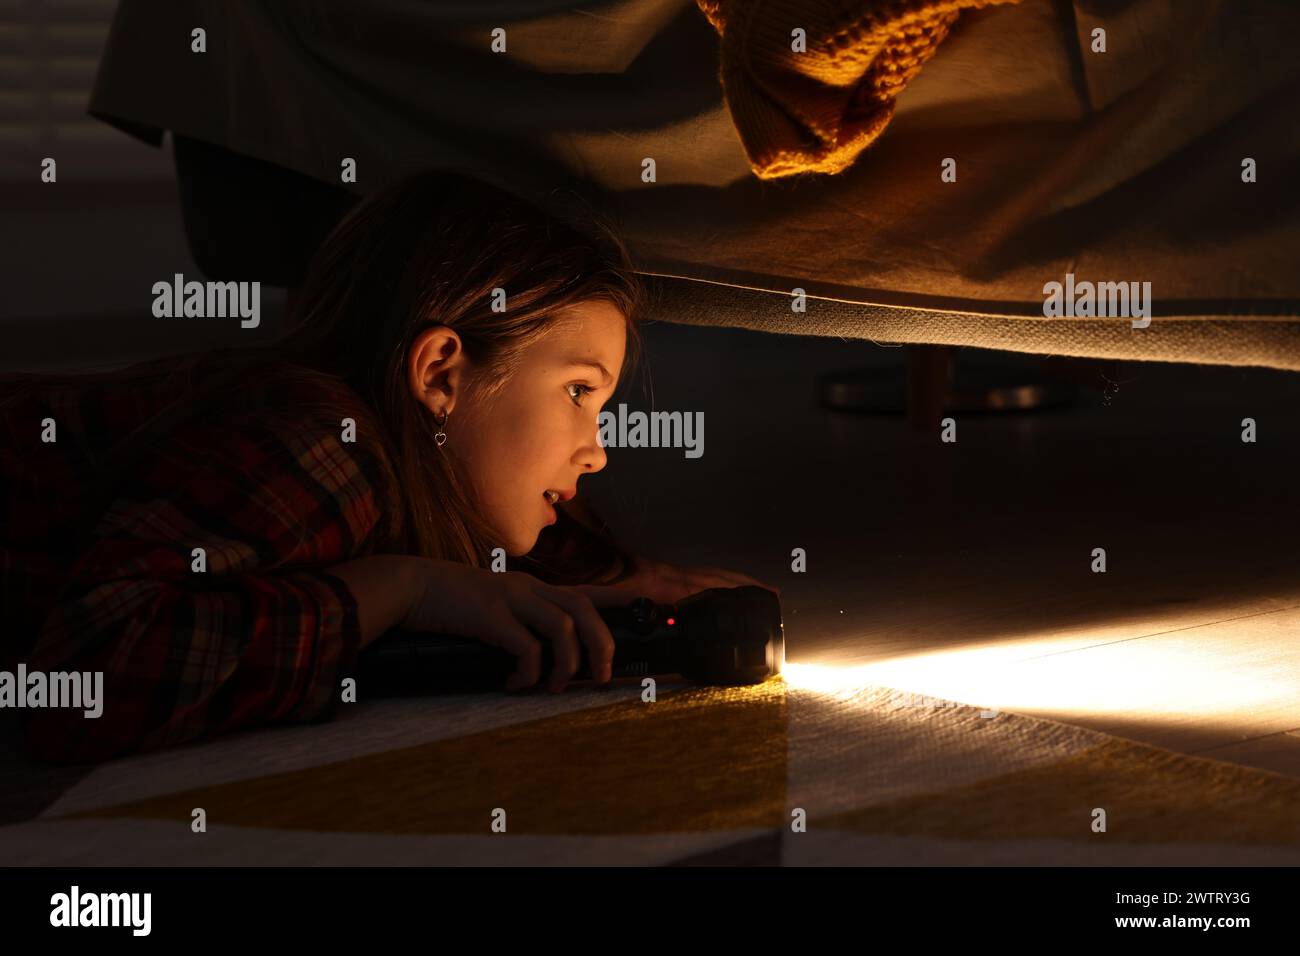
pixel 266 634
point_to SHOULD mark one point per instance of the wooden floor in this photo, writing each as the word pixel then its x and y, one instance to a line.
pixel 964 570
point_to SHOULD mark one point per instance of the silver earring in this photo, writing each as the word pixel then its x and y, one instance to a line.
pixel 440 436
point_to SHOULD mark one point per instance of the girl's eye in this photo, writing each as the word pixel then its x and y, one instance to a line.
pixel 582 391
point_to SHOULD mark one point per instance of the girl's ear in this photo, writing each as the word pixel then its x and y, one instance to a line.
pixel 436 369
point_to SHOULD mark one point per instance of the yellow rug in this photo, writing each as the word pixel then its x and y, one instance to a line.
pixel 758 775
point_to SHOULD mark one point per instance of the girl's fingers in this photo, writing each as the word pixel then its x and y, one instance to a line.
pixel 552 622
pixel 656 587
pixel 728 574
pixel 593 632
pixel 666 584
pixel 701 579
pixel 512 636
pixel 669 590
pixel 567 617
pixel 606 595
pixel 738 579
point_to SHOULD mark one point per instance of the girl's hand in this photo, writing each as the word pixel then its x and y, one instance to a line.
pixel 667 583
pixel 498 608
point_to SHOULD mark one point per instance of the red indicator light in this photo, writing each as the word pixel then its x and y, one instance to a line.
pixel 672 621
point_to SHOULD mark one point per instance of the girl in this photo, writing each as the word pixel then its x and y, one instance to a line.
pixel 221 535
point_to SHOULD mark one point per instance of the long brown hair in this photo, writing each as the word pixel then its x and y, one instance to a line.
pixel 427 251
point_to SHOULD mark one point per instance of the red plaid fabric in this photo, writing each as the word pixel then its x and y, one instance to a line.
pixel 265 635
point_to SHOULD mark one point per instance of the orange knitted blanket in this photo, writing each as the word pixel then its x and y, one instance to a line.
pixel 810 103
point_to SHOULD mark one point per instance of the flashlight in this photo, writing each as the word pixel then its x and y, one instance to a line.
pixel 717 636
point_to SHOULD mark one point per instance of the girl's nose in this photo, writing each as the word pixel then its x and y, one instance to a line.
pixel 592 455
pixel 594 458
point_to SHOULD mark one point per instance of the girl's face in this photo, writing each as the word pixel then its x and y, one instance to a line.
pixel 540 432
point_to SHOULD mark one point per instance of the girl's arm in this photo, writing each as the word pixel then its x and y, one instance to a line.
pixel 385 586
pixel 204 595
